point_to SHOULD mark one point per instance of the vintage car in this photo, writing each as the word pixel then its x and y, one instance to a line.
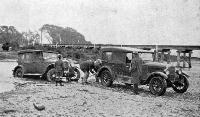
pixel 42 63
pixel 115 67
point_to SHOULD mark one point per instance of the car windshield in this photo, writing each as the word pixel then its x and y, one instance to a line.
pixel 146 57
pixel 48 55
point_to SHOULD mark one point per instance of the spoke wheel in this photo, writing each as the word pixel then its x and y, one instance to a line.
pixel 182 85
pixel 158 85
pixel 19 73
pixel 51 74
pixel 106 78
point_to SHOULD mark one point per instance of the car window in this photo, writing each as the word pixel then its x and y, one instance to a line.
pixel 119 57
pixel 38 56
pixel 107 56
pixel 47 55
pixel 128 57
pixel 146 56
pixel 27 57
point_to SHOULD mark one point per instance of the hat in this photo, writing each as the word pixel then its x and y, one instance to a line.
pixel 59 56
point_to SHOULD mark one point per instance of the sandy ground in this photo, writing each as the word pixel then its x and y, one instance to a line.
pixel 94 100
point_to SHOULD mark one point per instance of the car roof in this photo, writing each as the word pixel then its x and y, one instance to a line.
pixel 125 49
pixel 136 50
pixel 28 51
pixel 112 49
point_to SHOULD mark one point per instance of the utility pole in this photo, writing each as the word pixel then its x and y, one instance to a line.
pixel 41 36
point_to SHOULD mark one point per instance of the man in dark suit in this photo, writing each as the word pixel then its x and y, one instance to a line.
pixel 89 66
pixel 59 66
pixel 136 71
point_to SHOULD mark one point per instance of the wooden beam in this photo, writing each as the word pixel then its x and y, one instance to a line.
pixel 178 58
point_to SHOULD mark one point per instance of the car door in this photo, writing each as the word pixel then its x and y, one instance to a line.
pixel 111 59
pixel 119 64
pixel 28 63
pixel 125 68
pixel 39 63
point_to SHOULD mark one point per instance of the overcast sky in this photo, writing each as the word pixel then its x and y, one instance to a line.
pixel 111 21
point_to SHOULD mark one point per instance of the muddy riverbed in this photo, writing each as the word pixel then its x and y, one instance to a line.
pixel 93 100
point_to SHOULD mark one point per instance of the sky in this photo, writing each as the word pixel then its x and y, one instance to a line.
pixel 173 22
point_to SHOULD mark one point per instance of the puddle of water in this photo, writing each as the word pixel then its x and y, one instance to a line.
pixel 6 79
pixel 6 86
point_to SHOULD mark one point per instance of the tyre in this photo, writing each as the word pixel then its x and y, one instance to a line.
pixel 106 78
pixel 182 85
pixel 158 85
pixel 19 73
pixel 51 74
pixel 76 75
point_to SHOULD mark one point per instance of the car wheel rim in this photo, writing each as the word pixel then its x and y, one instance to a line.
pixel 105 77
pixel 52 76
pixel 157 85
pixel 180 85
pixel 19 74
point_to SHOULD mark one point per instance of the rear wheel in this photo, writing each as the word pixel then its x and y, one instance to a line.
pixel 19 73
pixel 51 74
pixel 106 78
pixel 158 85
pixel 182 85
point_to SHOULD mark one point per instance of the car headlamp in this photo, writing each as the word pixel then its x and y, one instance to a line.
pixel 166 71
pixel 170 70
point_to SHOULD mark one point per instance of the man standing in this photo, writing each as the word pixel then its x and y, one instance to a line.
pixel 59 66
pixel 89 66
pixel 136 71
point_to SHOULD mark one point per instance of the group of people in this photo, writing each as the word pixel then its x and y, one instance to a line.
pixel 92 66
pixel 86 67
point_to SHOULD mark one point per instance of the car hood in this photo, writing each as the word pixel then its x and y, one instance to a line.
pixel 155 64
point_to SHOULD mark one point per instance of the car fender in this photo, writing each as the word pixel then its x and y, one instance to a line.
pixel 18 66
pixel 163 75
pixel 104 68
pixel 50 66
pixel 184 74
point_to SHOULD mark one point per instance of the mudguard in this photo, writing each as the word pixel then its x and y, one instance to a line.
pixel 18 66
pixel 163 75
pixel 184 74
pixel 104 68
pixel 50 66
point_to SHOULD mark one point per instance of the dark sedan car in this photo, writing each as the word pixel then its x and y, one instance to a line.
pixel 42 63
pixel 158 76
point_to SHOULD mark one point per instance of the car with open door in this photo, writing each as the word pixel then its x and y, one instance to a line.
pixel 158 76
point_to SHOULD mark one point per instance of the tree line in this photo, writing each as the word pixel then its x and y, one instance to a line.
pixel 11 37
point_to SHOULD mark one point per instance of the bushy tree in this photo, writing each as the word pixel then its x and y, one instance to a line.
pixel 31 37
pixel 10 36
pixel 62 35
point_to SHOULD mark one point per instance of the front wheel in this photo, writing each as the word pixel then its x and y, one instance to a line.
pixel 158 85
pixel 51 74
pixel 182 85
pixel 19 73
pixel 106 78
